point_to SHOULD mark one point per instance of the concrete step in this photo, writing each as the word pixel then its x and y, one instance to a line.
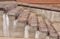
pixel 52 31
pixel 32 20
pixel 23 17
pixel 42 28
pixel 33 29
pixel 43 35
pixel 17 34
pixel 42 25
pixel 31 35
pixel 19 27
pixel 14 38
pixel 57 27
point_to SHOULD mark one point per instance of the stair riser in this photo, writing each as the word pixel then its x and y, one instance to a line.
pixel 31 35
pixel 1 13
pixel 17 34
pixel 53 37
pixel 42 35
pixel 32 29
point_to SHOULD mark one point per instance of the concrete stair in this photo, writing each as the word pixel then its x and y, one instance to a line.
pixel 42 28
pixel 52 31
pixel 18 31
pixel 32 31
pixel 56 25
pixel 24 16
